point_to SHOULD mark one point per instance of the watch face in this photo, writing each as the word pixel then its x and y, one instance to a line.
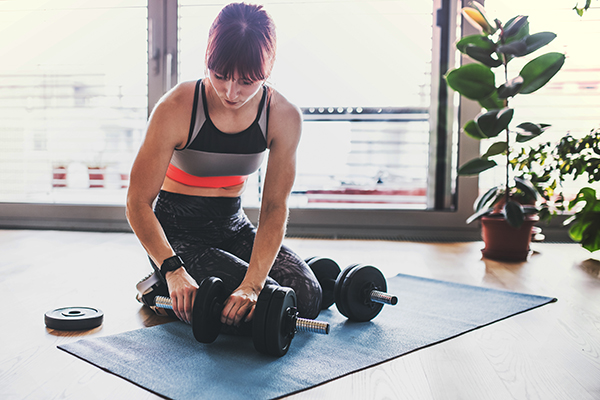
pixel 171 264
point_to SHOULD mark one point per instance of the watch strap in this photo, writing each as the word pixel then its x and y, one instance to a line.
pixel 170 264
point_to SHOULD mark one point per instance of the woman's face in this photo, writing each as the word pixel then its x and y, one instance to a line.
pixel 233 92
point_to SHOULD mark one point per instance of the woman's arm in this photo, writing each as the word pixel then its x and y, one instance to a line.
pixel 167 129
pixel 285 126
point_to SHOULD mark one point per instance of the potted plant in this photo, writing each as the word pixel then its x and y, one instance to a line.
pixel 508 207
pixel 549 165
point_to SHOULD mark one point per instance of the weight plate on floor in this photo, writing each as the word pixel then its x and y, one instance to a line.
pixel 326 270
pixel 206 315
pixel 337 290
pixel 278 329
pixel 74 318
pixel 354 293
pixel 259 320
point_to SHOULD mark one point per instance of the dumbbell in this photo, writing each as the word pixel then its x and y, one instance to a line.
pixel 359 292
pixel 274 324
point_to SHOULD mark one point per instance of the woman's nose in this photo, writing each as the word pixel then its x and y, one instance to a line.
pixel 231 89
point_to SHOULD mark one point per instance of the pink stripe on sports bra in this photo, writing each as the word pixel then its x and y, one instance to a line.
pixel 204 181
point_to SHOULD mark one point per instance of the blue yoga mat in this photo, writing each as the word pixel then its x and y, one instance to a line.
pixel 166 359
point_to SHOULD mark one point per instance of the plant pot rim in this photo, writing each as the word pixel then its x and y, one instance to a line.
pixel 498 216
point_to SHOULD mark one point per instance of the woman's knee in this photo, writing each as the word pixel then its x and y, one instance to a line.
pixel 309 298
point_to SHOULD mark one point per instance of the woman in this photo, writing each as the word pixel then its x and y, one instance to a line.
pixel 203 139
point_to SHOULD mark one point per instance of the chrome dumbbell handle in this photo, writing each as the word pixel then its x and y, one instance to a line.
pixel 163 302
pixel 311 325
pixel 377 296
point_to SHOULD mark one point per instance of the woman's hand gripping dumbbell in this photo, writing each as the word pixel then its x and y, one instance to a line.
pixel 359 292
pixel 274 324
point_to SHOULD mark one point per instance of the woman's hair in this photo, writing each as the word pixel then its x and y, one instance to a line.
pixel 242 39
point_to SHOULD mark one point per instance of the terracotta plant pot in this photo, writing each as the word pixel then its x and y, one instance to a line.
pixel 502 241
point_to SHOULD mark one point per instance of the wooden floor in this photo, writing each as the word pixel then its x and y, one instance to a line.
pixel 552 352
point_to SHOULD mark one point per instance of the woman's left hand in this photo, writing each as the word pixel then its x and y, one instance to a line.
pixel 240 305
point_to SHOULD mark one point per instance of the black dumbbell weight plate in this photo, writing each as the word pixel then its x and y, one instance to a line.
pixel 74 318
pixel 337 291
pixel 260 317
pixel 354 289
pixel 309 258
pixel 326 270
pixel 206 317
pixel 278 328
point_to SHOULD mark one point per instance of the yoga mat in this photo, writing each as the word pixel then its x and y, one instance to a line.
pixel 166 359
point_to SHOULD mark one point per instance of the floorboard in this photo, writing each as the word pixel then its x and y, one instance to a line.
pixel 552 352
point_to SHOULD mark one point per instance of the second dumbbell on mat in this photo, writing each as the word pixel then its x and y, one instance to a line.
pixel 359 292
pixel 274 324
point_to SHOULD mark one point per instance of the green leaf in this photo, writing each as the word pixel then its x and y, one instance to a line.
pixel 479 214
pixel 527 45
pixel 538 40
pixel 487 200
pixel 585 224
pixel 587 195
pixel 493 122
pixel 471 130
pixel 480 41
pixel 540 70
pixel 510 88
pixel 514 214
pixel 514 49
pixel 483 56
pixel 515 29
pixel 577 229
pixel 529 130
pixel 527 188
pixel 591 240
pixel 495 149
pixel 492 101
pixel 476 166
pixel 474 81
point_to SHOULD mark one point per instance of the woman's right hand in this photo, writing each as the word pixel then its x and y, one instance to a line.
pixel 182 290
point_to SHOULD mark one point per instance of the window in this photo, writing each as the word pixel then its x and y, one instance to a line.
pixel 73 99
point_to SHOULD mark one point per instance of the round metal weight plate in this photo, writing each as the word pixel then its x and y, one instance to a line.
pixel 279 333
pixel 354 293
pixel 74 318
pixel 259 320
pixel 326 270
pixel 206 315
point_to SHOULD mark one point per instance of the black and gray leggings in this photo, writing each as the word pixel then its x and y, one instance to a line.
pixel 214 237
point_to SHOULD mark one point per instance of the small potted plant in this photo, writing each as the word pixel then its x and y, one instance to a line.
pixel 507 211
pixel 549 165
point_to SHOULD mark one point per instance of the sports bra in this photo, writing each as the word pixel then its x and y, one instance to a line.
pixel 211 158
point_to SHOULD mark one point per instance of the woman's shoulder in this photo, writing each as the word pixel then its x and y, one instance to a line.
pixel 281 107
pixel 180 94
pixel 177 101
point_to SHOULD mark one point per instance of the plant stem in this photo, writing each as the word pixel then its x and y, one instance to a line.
pixel 506 189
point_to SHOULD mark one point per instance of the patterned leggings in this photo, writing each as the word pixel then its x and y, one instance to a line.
pixel 214 237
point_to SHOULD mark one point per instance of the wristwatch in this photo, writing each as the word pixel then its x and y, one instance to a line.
pixel 170 264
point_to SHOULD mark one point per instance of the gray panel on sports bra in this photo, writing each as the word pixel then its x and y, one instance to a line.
pixel 204 164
